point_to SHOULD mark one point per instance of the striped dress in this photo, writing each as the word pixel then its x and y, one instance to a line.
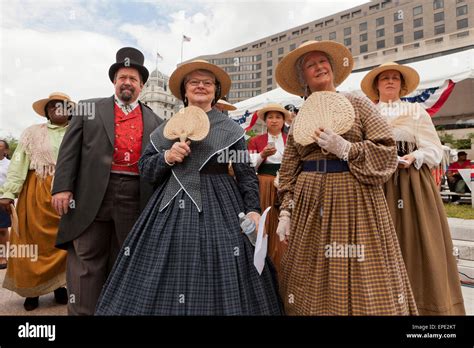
pixel 343 256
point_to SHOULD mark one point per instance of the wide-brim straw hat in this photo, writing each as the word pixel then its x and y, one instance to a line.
pixel 411 77
pixel 39 105
pixel 340 57
pixel 273 107
pixel 225 105
pixel 181 71
pixel 323 110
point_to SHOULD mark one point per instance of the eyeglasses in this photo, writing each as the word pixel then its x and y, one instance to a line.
pixel 205 83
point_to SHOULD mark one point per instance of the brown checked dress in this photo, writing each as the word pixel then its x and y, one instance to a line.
pixel 343 256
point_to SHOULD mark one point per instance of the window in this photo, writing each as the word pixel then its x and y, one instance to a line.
pixel 292 47
pixel 269 54
pixel 269 63
pixel 380 44
pixel 439 29
pixel 417 10
pixel 418 35
pixel 281 50
pixel 363 26
pixel 346 16
pixel 398 28
pixel 363 48
pixel 282 37
pixel 363 37
pixel 374 7
pixel 332 35
pixel 329 22
pixel 269 72
pixel 304 30
pixel 380 21
pixel 437 4
pixel 356 13
pixel 398 16
pixel 296 32
pixel 418 22
pixel 380 33
pixel 318 25
pixel 269 82
pixel 462 23
pixel 461 11
pixel 438 17
pixel 347 31
pixel 347 41
pixel 318 38
pixel 398 40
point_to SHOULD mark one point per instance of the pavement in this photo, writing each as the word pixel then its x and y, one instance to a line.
pixel 462 232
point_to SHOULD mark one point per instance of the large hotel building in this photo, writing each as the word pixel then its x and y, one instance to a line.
pixel 376 32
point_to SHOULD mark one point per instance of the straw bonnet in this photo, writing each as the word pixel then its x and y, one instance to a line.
pixel 129 57
pixel 411 77
pixel 190 122
pixel 273 107
pixel 341 63
pixel 181 71
pixel 225 105
pixel 39 105
pixel 323 110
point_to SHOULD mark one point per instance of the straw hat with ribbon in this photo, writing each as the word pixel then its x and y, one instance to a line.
pixel 339 56
pixel 40 105
pixel 225 105
pixel 177 77
pixel 273 107
pixel 411 77
pixel 323 110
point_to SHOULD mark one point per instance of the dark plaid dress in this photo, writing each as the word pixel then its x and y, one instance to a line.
pixel 188 256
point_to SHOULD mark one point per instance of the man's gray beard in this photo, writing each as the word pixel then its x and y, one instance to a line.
pixel 125 97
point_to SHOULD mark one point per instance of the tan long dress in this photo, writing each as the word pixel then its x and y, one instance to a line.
pixel 418 213
pixel 338 210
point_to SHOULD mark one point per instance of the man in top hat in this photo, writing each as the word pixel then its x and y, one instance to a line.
pixel 97 189
pixel 293 112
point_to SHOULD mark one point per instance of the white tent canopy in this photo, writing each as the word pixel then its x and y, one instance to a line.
pixel 433 73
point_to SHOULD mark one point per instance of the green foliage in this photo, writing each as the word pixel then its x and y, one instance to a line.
pixel 457 143
pixel 251 133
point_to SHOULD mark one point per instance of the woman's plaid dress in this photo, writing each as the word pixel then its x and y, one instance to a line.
pixel 336 212
pixel 179 261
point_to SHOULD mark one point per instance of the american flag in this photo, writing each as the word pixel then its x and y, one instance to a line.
pixel 186 38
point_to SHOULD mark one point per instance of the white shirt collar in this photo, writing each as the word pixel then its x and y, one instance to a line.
pixel 126 108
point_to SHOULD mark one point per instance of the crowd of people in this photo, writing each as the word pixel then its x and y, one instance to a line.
pixel 133 223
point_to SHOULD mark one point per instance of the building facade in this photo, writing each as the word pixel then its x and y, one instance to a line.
pixel 376 32
pixel 156 95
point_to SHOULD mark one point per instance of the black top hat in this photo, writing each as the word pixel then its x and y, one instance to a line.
pixel 291 108
pixel 129 57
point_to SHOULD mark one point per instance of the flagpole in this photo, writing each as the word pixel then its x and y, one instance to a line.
pixel 182 42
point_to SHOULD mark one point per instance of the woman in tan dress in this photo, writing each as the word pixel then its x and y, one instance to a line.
pixel 412 195
pixel 331 206
pixel 42 269
pixel 266 152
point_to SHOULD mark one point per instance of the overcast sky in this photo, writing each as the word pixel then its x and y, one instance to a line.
pixel 68 46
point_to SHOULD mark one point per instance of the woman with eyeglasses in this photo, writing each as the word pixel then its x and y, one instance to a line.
pixel 187 255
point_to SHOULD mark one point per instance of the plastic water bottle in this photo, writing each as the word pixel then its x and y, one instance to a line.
pixel 248 227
